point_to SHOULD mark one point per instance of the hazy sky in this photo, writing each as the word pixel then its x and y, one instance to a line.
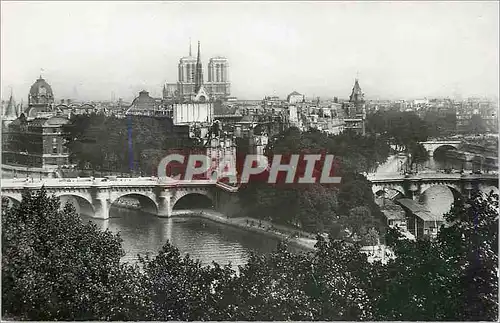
pixel 401 50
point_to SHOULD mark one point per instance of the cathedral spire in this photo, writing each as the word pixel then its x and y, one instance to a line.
pixel 198 59
pixel 198 79
pixel 10 110
pixel 190 47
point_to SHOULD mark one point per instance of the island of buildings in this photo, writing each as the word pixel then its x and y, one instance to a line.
pixel 33 140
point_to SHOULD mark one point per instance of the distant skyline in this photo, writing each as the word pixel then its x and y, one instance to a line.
pixel 401 50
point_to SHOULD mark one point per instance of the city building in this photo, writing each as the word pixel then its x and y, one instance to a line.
pixel 355 111
pixel 190 69
pixel 145 105
pixel 271 102
pixel 36 143
pixel 294 97
pixel 40 98
pixel 420 220
pixel 35 138
pixel 394 213
pixel 218 84
pixel 199 109
pixel 293 115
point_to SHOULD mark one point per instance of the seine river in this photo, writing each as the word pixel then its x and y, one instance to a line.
pixel 201 238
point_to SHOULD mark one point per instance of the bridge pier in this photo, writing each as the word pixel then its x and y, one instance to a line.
pixel 468 187
pixel 101 207
pixel 415 191
pixel 164 204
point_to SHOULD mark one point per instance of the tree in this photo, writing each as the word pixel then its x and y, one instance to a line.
pixel 54 267
pixel 370 238
pixel 182 289
pixel 274 287
pixel 476 125
pixel 419 154
pixel 473 243
pixel 342 282
pixel 454 277
pixel 329 284
pixel 134 144
pixel 441 124
pixel 404 128
pixel 316 207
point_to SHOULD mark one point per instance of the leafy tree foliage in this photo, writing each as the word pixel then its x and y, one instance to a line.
pixel 182 289
pixel 441 124
pixel 403 128
pixel 319 207
pixel 370 238
pixel 419 154
pixel 137 144
pixel 476 125
pixel 454 277
pixel 319 286
pixel 54 267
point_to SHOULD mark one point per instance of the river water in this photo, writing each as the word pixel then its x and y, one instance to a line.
pixel 201 238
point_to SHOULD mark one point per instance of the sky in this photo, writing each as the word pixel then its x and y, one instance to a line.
pixel 399 50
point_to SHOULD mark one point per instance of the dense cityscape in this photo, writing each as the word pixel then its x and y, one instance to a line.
pixel 96 226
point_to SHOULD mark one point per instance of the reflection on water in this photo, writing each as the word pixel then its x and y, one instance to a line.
pixel 201 238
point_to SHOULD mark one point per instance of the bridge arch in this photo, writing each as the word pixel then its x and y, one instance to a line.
pixel 83 204
pixel 145 202
pixel 432 146
pixel 439 198
pixel 438 149
pixel 380 189
pixel 193 200
pixel 455 189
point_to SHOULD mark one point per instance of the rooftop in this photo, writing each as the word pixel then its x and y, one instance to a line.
pixel 420 210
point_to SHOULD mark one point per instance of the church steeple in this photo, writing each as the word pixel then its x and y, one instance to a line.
pixel 190 47
pixel 356 94
pixel 198 79
pixel 11 109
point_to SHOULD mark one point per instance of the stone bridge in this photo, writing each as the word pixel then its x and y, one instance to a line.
pixel 413 186
pixel 432 145
pixel 96 195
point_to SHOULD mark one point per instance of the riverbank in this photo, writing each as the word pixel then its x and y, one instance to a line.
pixel 254 225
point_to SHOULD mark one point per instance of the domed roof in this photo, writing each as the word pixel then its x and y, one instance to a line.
pixel 143 103
pixel 41 88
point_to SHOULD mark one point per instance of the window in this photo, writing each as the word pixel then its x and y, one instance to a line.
pixel 54 150
pixel 54 140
